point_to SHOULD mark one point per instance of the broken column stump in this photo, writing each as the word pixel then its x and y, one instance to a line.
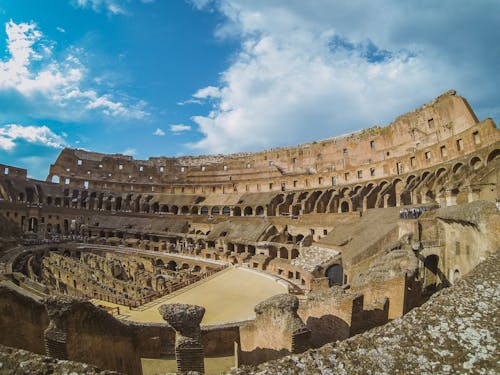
pixel 185 320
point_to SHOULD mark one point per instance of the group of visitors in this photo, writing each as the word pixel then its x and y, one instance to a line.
pixel 411 213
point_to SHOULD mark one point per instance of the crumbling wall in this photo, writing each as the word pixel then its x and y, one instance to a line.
pixel 329 314
pixel 91 335
pixel 23 319
pixel 277 331
pixel 390 276
pixel 468 233
pixel 219 340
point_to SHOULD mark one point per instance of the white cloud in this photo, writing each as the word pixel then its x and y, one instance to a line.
pixel 129 151
pixel 200 4
pixel 179 128
pixel 311 70
pixel 58 82
pixel 159 132
pixel 208 92
pixel 112 6
pixel 190 101
pixel 60 29
pixel 10 133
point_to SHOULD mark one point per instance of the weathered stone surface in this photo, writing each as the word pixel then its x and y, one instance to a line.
pixel 186 319
pixel 182 317
pixel 283 309
pixel 284 302
pixel 21 362
pixel 473 213
pixel 310 257
pixel 456 331
pixel 388 266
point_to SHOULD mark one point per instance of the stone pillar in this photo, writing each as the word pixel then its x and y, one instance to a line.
pixel 386 200
pixel 451 199
pixel 472 195
pixel 185 320
pixel 55 334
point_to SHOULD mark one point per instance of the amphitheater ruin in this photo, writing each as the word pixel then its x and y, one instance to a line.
pixel 208 263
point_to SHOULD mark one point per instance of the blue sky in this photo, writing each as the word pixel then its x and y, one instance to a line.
pixel 157 77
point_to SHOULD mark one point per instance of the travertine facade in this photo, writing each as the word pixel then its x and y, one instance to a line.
pixel 367 226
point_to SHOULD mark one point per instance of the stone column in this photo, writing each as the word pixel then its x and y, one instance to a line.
pixel 185 320
pixel 472 195
pixel 55 334
pixel 451 199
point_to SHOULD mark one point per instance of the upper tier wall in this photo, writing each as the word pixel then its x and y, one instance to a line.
pixel 441 130
pixel 8 170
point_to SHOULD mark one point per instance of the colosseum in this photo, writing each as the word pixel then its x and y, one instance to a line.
pixel 372 252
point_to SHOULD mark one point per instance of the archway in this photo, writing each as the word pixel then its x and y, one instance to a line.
pixel 440 171
pixel 335 274
pixel 283 253
pixel 344 207
pixel 493 155
pixel 172 265
pixel 248 211
pixel 457 167
pixel 475 163
pixel 118 203
pixel 456 275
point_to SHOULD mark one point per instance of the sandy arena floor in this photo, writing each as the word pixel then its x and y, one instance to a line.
pixel 213 366
pixel 229 296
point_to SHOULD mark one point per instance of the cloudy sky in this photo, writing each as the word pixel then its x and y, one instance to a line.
pixel 157 77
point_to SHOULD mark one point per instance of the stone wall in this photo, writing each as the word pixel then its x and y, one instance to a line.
pixel 23 319
pixel 91 335
pixel 469 233
pixel 220 340
pixel 443 129
pixel 277 330
pixel 330 314
pixel 393 277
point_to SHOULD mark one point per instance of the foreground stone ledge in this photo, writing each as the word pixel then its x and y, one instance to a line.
pixel 19 361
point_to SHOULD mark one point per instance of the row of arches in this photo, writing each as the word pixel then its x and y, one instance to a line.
pixel 402 190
